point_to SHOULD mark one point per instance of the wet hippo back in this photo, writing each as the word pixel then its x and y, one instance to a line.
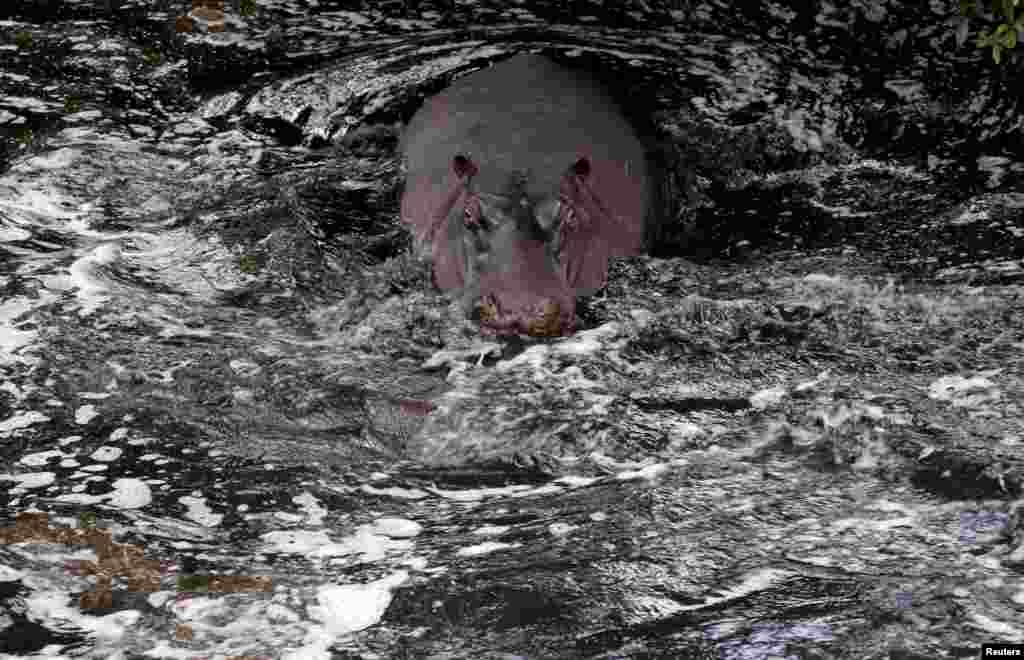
pixel 554 164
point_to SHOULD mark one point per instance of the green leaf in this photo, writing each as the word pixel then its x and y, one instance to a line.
pixel 1011 39
pixel 23 136
pixel 248 264
pixel 997 53
pixel 193 583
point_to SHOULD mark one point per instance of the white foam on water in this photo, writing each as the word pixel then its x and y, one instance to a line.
pixel 197 510
pixel 395 492
pixel 85 414
pixel 484 548
pixel 130 493
pixel 29 480
pixel 86 276
pixel 313 512
pixel 646 472
pixel 1003 630
pixel 477 494
pixel 53 609
pixel 14 340
pixel 491 530
pixel 318 545
pixel 36 203
pixel 576 481
pixel 396 528
pixel 11 234
pixel 345 609
pixel 546 489
pixel 80 498
pixel 39 458
pixel 20 421
pixel 179 259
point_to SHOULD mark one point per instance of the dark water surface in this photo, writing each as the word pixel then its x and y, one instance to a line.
pixel 794 431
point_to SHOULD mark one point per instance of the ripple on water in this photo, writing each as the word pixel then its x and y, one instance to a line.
pixel 531 403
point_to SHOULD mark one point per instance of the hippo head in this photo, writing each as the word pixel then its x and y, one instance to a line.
pixel 523 178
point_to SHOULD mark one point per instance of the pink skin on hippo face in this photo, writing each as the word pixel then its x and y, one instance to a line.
pixel 523 260
pixel 519 257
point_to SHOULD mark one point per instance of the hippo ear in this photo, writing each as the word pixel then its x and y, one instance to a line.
pixel 463 166
pixel 583 232
pixel 581 168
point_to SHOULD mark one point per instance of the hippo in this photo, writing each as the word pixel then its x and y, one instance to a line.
pixel 522 180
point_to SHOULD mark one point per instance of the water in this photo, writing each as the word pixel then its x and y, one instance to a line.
pixel 215 345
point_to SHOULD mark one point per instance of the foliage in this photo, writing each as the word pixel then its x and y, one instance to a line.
pixel 1008 15
pixel 24 136
pixel 248 264
pixel 191 583
pixel 151 56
